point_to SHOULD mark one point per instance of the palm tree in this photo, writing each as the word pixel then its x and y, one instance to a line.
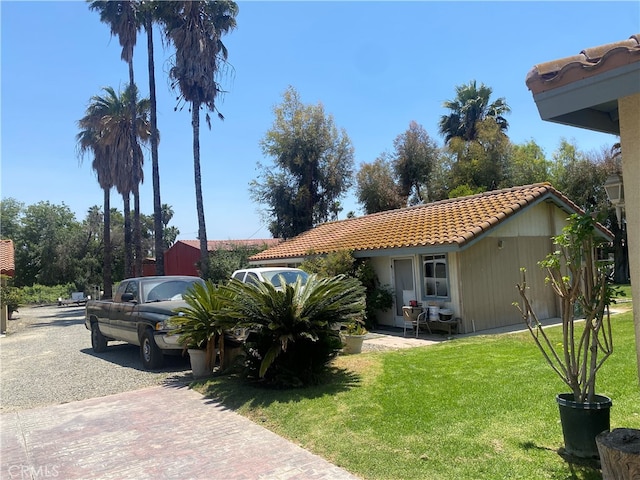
pixel 196 28
pixel 106 128
pixel 471 106
pixel 121 16
pixel 295 330
pixel 153 11
pixel 89 142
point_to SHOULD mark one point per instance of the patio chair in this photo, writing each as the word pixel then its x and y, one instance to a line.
pixel 413 318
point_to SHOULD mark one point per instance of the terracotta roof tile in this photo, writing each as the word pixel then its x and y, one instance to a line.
pixel 449 223
pixel 590 61
pixel 230 244
pixel 7 262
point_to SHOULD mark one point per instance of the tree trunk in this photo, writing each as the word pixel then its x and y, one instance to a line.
pixel 131 271
pixel 137 240
pixel 202 229
pixel 128 257
pixel 619 454
pixel 106 267
pixel 155 169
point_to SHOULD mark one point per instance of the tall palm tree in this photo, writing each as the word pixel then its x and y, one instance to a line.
pixel 121 16
pixel 151 12
pixel 89 142
pixel 196 28
pixel 106 128
pixel 471 106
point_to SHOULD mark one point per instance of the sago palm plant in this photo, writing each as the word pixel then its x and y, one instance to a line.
pixel 295 331
pixel 201 324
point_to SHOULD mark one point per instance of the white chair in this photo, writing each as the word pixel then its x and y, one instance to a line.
pixel 413 318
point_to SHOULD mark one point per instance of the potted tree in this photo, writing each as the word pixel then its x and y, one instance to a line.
pixel 201 327
pixel 353 336
pixel 582 285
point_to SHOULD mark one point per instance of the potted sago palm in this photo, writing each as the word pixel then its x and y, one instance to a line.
pixel 201 327
pixel 353 336
pixel 584 291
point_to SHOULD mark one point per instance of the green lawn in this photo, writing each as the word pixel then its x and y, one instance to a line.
pixel 476 408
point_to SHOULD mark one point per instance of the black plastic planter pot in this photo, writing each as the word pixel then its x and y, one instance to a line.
pixel 581 422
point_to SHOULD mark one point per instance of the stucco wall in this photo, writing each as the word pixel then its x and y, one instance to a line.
pixel 629 108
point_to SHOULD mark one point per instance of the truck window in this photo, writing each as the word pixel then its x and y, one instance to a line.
pixel 132 288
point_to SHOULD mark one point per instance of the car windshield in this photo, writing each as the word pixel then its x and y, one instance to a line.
pixel 289 276
pixel 169 289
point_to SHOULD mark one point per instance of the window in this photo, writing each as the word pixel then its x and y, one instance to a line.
pixel 436 280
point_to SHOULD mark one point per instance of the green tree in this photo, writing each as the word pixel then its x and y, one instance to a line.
pixel 376 189
pixel 481 164
pixel 413 161
pixel 169 234
pixel 10 213
pixel 45 250
pixel 196 29
pixel 313 167
pixel 224 261
pixel 470 106
pixel 528 164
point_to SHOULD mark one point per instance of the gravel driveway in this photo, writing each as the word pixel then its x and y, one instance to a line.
pixel 46 359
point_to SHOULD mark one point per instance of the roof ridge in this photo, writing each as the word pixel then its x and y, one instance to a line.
pixel 444 201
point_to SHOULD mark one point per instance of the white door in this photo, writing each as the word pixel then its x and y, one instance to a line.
pixel 404 285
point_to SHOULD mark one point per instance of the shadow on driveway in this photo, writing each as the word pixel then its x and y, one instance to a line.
pixel 128 356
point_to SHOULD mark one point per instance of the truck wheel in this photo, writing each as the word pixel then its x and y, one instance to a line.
pixel 98 341
pixel 150 354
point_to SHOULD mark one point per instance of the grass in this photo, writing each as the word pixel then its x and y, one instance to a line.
pixel 475 408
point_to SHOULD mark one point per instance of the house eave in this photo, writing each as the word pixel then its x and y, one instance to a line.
pixel 590 103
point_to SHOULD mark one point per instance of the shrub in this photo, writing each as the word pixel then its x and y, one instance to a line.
pixel 43 294
pixel 378 297
pixel 295 331
pixel 9 295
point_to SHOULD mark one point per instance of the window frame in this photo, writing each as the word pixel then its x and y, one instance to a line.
pixel 434 259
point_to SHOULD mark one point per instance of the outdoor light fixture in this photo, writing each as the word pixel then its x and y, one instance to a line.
pixel 615 192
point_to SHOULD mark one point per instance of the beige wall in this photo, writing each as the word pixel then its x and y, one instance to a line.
pixel 489 274
pixel 629 108
pixel 483 277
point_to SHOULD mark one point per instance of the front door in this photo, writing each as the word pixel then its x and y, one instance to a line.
pixel 404 285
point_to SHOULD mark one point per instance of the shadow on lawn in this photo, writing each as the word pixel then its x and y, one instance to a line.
pixel 580 468
pixel 234 392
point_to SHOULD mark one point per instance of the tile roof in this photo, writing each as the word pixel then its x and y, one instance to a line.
pixel 449 223
pixel 590 61
pixel 7 262
pixel 213 245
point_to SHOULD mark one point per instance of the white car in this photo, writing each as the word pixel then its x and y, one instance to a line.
pixel 273 275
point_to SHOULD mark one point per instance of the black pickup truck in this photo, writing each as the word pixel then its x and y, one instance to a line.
pixel 139 314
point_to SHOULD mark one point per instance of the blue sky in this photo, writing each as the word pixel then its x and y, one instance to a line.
pixel 375 66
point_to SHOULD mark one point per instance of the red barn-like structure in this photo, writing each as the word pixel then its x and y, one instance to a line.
pixel 184 255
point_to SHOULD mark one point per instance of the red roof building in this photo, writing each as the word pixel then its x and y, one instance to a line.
pixel 183 256
pixel 7 262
